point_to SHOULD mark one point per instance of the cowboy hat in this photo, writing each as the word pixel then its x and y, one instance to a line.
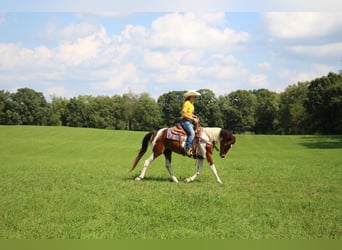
pixel 191 93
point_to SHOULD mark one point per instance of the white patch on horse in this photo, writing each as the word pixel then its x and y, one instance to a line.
pixel 159 133
pixel 213 133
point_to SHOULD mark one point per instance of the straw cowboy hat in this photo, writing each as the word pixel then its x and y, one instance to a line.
pixel 191 93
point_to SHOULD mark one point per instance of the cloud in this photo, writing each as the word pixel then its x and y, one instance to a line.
pixel 118 79
pixel 135 34
pixel 302 25
pixel 297 75
pixel 83 51
pixel 325 50
pixel 174 51
pixel 264 66
pixel 2 18
pixel 188 30
pixel 70 32
pixel 259 80
pixel 303 40
pixel 56 90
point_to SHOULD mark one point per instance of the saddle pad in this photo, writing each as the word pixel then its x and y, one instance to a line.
pixel 174 137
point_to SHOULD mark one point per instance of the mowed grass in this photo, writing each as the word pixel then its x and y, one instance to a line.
pixel 74 183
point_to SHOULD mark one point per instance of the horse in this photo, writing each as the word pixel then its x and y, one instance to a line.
pixel 162 145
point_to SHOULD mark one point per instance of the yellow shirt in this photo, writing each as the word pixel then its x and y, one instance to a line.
pixel 188 108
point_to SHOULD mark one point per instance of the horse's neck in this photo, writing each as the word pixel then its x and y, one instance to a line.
pixel 212 133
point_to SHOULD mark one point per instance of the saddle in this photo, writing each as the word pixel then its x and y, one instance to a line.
pixel 178 130
pixel 178 133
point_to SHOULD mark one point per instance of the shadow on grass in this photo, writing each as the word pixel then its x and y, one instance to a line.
pixel 157 179
pixel 322 142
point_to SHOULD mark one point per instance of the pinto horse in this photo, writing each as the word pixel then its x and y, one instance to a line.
pixel 162 145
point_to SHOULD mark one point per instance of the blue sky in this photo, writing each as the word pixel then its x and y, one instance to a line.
pixel 112 51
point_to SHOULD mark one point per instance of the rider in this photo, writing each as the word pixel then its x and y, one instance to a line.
pixel 189 119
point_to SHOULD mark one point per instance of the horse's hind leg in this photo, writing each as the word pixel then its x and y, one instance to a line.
pixel 199 170
pixel 144 169
pixel 167 154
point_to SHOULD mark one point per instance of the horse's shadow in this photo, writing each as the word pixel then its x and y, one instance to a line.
pixel 152 178
pixel 156 179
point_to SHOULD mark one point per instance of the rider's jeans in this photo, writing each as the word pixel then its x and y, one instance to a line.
pixel 189 128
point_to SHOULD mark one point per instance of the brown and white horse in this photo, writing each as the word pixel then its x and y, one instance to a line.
pixel 162 145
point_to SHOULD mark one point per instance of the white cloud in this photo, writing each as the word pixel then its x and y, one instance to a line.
pixel 195 32
pixel 71 32
pixel 56 90
pixel 11 55
pixel 170 66
pixel 219 72
pixel 295 75
pixel 325 50
pixel 192 57
pixel 259 80
pixel 117 78
pixel 134 34
pixel 80 52
pixel 171 60
pixel 299 25
pixel 264 65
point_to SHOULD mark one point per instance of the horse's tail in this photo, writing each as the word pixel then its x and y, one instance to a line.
pixel 143 149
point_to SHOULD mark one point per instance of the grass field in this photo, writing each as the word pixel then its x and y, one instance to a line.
pixel 73 183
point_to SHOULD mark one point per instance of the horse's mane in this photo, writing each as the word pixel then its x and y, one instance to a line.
pixel 227 135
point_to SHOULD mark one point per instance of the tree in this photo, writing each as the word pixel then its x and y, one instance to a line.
pixel 207 108
pixel 129 102
pixel 4 95
pixel 101 109
pixel 309 107
pixel 324 104
pixel 170 105
pixel 77 113
pixel 118 113
pixel 58 107
pixel 293 116
pixel 266 115
pixel 238 110
pixel 26 107
pixel 147 115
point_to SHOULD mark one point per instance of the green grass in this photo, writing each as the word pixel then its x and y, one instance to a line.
pixel 72 183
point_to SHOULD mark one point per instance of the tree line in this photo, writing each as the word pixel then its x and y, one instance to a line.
pixel 303 108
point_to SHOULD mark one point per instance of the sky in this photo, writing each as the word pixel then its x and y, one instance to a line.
pixel 68 51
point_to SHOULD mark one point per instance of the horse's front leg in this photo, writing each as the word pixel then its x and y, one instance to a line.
pixel 199 170
pixel 167 154
pixel 212 165
pixel 213 169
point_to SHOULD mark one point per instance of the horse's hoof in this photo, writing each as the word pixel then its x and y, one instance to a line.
pixel 138 178
pixel 174 179
pixel 187 180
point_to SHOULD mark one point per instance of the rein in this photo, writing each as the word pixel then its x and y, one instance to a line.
pixel 208 142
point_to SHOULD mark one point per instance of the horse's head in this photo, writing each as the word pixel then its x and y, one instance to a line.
pixel 227 139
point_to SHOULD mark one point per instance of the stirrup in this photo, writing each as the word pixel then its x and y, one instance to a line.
pixel 189 152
